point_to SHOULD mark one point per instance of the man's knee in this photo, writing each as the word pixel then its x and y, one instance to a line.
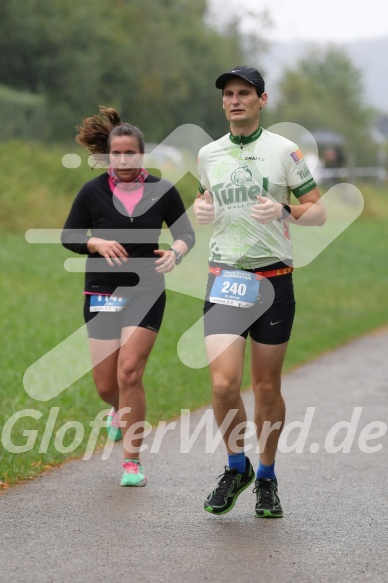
pixel 226 391
pixel 267 392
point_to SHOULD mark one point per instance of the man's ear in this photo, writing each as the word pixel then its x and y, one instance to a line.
pixel 264 99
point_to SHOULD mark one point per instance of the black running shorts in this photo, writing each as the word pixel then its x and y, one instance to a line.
pixel 142 310
pixel 269 321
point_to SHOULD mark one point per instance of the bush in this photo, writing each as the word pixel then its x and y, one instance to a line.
pixel 22 115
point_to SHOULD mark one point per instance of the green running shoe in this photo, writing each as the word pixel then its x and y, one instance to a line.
pixel 229 488
pixel 113 425
pixel 133 473
pixel 267 499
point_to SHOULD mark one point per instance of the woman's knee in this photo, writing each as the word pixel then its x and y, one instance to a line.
pixel 129 375
pixel 107 388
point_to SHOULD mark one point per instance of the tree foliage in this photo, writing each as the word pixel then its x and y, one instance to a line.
pixel 22 114
pixel 154 61
pixel 325 90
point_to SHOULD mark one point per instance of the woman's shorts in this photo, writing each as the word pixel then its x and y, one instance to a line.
pixel 269 321
pixel 143 311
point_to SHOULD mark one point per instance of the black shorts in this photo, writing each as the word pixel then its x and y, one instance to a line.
pixel 142 310
pixel 269 321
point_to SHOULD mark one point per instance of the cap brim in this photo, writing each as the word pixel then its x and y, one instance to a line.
pixel 222 79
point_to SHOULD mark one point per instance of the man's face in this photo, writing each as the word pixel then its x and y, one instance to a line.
pixel 241 103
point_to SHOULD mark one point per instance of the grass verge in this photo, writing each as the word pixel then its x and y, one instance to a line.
pixel 340 295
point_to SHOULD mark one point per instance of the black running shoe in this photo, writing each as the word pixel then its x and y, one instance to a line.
pixel 267 499
pixel 229 488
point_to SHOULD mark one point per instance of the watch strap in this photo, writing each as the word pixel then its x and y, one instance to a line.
pixel 178 255
pixel 286 211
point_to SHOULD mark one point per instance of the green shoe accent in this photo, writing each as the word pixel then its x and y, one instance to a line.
pixel 268 514
pixel 133 473
pixel 267 499
pixel 224 497
pixel 112 426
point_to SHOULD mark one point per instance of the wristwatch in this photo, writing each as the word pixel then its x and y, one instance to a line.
pixel 286 211
pixel 178 255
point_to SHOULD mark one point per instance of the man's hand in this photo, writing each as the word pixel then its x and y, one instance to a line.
pixel 266 210
pixel 204 209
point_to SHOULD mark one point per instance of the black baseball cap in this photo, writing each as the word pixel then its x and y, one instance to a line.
pixel 248 73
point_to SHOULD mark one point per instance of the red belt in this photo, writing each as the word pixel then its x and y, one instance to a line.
pixel 270 273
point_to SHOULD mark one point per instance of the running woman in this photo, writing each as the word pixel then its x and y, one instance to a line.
pixel 246 179
pixel 116 220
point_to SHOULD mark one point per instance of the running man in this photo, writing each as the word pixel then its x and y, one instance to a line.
pixel 246 180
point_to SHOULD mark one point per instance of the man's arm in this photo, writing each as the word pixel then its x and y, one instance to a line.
pixel 309 212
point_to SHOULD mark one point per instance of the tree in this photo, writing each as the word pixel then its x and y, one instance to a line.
pixel 325 90
pixel 156 62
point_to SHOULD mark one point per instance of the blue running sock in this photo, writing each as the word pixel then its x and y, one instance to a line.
pixel 266 471
pixel 238 461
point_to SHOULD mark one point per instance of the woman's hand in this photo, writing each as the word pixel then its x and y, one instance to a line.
pixel 166 262
pixel 112 251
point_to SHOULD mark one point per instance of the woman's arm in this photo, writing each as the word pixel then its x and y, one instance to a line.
pixel 74 234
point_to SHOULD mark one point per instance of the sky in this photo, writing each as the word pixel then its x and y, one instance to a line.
pixel 338 21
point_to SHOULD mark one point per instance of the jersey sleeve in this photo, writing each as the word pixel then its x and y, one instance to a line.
pixel 298 174
pixel 204 183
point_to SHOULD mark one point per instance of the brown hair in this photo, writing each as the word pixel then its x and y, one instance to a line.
pixel 95 133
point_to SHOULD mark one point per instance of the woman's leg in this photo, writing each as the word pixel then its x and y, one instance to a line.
pixel 104 356
pixel 136 346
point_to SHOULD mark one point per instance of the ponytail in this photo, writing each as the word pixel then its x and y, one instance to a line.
pixel 95 133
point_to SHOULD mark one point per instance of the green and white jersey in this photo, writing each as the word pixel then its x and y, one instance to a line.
pixel 236 169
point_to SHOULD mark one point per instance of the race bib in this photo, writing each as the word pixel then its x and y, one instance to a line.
pixel 107 303
pixel 235 288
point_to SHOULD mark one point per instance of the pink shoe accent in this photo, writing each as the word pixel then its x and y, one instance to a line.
pixel 133 473
pixel 115 418
pixel 131 467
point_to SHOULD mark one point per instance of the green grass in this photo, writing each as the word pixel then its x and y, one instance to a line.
pixel 340 295
pixel 36 190
pixel 343 293
pixel 43 307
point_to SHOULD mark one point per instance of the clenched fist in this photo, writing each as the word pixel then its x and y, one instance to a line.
pixel 204 208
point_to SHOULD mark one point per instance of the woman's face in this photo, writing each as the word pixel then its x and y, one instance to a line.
pixel 125 157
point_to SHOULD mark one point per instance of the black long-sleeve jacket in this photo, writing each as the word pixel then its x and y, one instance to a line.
pixel 97 212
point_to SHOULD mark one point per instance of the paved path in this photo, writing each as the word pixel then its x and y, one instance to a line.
pixel 76 524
